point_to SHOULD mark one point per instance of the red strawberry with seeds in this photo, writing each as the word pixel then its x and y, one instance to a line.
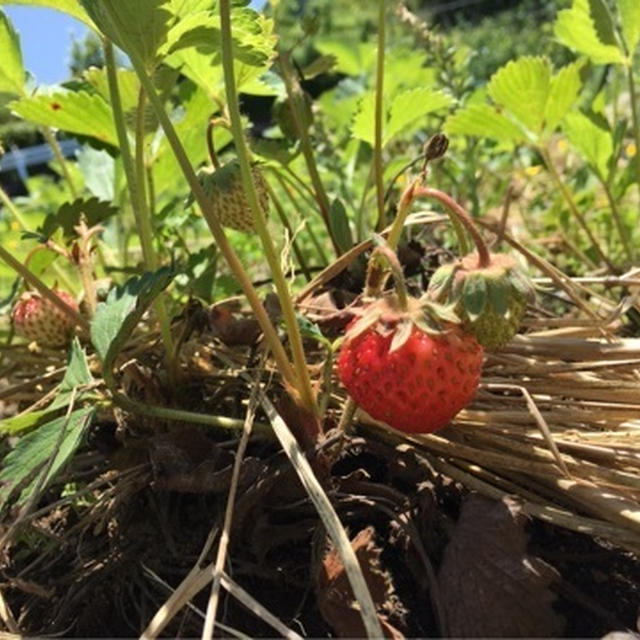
pixel 406 361
pixel 36 318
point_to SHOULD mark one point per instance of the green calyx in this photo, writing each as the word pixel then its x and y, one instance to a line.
pixel 490 300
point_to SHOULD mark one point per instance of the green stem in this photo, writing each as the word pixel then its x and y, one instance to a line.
pixel 573 208
pixel 285 221
pixel 296 205
pixel 227 251
pixel 145 230
pixel 38 284
pixel 304 388
pixel 294 92
pixel 57 152
pixel 379 114
pixel 385 253
pixel 622 232
pixel 484 259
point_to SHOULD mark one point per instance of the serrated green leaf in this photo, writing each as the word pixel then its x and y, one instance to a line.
pixel 576 29
pixel 484 121
pixel 70 7
pixel 69 214
pixel 603 22
pixel 139 28
pixel 73 111
pixel 128 84
pixel 363 126
pixel 630 21
pixel 115 319
pixel 350 59
pixel 594 143
pixel 339 223
pixel 58 439
pixel 563 93
pixel 522 87
pixel 409 106
pixel 11 68
pixel 498 294
pixel 474 295
pixel 77 373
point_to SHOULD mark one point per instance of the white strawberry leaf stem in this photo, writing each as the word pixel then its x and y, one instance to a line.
pixel 303 387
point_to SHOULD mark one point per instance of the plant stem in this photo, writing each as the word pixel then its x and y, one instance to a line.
pixel 135 175
pixel 57 152
pixel 387 254
pixel 573 208
pixel 635 115
pixel 226 249
pixel 463 218
pixel 622 232
pixel 294 92
pixel 379 114
pixel 284 182
pixel 46 292
pixel 307 396
pixel 285 221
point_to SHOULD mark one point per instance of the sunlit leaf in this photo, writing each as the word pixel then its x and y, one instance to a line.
pixel 594 143
pixel 630 21
pixel 98 171
pixel 521 87
pixel 563 92
pixel 139 28
pixel 73 111
pixel 70 7
pixel 363 122
pixel 576 29
pixel 484 121
pixel 11 69
pixel 412 105
pixel 351 58
pixel 128 84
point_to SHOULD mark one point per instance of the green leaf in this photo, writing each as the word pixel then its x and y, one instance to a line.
pixel 351 59
pixel 139 28
pixel 576 29
pixel 603 22
pixel 411 105
pixel 522 87
pixel 128 84
pixel 484 121
pixel 11 68
pixel 339 223
pixel 594 143
pixel 115 319
pixel 70 7
pixel 474 295
pixel 630 21
pixel 98 171
pixel 58 439
pixel 77 373
pixel 25 421
pixel 563 92
pixel 73 111
pixel 363 126
pixel 69 214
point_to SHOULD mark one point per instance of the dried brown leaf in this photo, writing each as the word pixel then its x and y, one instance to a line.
pixel 335 597
pixel 489 585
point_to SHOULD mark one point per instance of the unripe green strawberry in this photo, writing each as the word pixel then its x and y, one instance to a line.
pixel 490 301
pixel 413 369
pixel 36 318
pixel 224 188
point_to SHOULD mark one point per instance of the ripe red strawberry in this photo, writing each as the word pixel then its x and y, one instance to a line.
pixel 402 369
pixel 36 318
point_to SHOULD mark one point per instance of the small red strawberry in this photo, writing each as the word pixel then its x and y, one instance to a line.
pixel 408 364
pixel 36 318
